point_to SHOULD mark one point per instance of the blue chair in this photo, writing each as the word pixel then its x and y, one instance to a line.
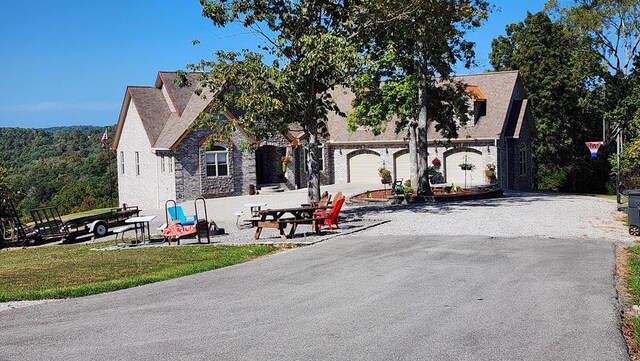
pixel 177 214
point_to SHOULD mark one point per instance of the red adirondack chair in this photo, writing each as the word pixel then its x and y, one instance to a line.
pixel 331 215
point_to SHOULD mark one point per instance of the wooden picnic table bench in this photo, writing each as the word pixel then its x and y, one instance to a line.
pixel 275 218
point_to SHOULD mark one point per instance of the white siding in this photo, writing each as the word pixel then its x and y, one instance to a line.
pixel 150 189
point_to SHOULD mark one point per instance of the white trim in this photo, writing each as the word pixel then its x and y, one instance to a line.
pixel 215 164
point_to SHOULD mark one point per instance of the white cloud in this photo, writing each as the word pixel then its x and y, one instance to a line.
pixel 49 106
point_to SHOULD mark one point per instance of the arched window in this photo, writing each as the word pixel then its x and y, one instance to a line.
pixel 522 159
pixel 217 161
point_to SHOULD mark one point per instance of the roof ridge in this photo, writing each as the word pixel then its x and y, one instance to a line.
pixel 488 73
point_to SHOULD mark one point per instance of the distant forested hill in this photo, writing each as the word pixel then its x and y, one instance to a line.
pixel 63 167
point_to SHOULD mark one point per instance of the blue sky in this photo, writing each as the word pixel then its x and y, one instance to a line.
pixel 68 62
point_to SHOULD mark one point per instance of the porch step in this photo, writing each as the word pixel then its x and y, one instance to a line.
pixel 270 188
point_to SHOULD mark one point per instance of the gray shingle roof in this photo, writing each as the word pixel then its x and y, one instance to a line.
pixel 153 109
pixel 177 126
pixel 179 96
pixel 165 128
pixel 497 86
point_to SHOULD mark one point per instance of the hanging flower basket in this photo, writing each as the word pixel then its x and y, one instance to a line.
pixel 466 166
pixel 285 162
pixel 385 175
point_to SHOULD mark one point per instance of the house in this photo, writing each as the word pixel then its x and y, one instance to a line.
pixel 160 157
pixel 500 133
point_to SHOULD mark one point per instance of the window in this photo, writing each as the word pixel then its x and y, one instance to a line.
pixel 217 162
pixel 162 166
pixel 122 162
pixel 137 163
pixel 320 157
pixel 171 164
pixel 523 159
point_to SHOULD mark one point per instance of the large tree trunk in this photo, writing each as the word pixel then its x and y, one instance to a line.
pixel 423 187
pixel 313 169
pixel 413 153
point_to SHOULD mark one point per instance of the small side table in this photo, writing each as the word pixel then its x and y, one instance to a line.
pixel 143 221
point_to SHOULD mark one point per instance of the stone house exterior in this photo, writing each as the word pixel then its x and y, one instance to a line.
pixel 160 158
pixel 501 133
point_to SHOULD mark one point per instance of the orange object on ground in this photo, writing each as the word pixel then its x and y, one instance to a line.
pixel 177 231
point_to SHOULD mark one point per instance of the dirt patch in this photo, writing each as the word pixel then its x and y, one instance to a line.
pixel 385 194
pixel 629 312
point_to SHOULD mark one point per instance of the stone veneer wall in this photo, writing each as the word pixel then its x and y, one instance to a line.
pixel 326 175
pixel 517 181
pixel 191 170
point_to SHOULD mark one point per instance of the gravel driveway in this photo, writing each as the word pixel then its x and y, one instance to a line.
pixel 544 215
pixel 517 214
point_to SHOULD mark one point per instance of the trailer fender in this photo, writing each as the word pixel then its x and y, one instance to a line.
pixel 99 228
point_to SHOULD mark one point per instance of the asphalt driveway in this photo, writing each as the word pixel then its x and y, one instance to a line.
pixel 356 297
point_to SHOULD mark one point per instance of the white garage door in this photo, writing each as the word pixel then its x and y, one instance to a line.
pixel 402 167
pixel 456 175
pixel 363 168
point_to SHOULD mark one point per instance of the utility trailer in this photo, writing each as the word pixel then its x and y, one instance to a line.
pixel 98 224
pixel 48 225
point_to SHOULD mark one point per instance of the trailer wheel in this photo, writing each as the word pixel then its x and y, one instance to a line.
pixel 634 231
pixel 100 229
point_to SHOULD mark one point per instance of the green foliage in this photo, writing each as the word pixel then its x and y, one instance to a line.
pixel 630 165
pixel 409 51
pixel 558 72
pixel 611 27
pixel 311 55
pixel 63 167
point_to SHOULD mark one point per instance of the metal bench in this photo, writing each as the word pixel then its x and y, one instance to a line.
pixel 121 230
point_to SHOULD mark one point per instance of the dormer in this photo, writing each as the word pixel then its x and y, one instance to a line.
pixel 477 102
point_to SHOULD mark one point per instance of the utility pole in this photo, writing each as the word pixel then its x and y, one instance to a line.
pixel 618 152
pixel 607 138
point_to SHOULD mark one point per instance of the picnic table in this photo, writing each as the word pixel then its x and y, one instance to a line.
pixel 281 218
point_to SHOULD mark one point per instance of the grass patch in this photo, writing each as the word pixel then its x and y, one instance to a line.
pixel 92 212
pixel 633 286
pixel 76 270
pixel 612 197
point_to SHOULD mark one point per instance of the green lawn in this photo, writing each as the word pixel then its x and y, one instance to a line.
pixel 84 214
pixel 633 285
pixel 75 270
pixel 612 197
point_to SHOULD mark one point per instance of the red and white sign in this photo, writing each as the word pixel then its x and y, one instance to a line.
pixel 594 147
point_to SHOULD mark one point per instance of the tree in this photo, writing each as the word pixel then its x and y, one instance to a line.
pixel 307 41
pixel 612 28
pixel 558 70
pixel 409 50
pixel 5 189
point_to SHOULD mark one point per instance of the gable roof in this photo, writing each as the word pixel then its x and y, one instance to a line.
pixel 496 88
pixel 177 127
pixel 164 128
pixel 178 96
